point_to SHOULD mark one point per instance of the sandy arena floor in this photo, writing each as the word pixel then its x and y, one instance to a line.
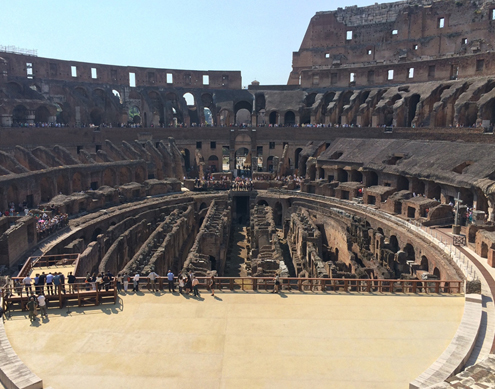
pixel 239 340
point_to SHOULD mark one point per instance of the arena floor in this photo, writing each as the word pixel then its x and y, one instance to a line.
pixel 239 340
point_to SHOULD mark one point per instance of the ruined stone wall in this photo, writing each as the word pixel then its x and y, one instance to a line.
pixel 369 41
pixel 305 245
pixel 17 240
pixel 266 253
pixel 209 250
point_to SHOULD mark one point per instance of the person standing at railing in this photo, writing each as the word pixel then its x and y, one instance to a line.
pixel 49 283
pixel 41 283
pixel 26 281
pixel 71 279
pixel 276 284
pixel 120 280
pixel 135 281
pixel 56 282
pixel 62 282
pixel 152 276
pixel 126 279
pixel 37 283
pixel 170 279
pixel 211 284
pixel 195 283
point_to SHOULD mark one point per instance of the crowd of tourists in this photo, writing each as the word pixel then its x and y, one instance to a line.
pixel 46 225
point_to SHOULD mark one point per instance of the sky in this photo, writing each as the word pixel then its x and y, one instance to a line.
pixel 256 37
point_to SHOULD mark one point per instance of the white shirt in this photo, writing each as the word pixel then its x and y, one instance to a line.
pixel 41 300
pixel 136 277
pixel 152 276
pixel 26 280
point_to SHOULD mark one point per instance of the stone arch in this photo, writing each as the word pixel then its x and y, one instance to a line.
pixel 310 100
pixel 296 157
pixel 468 114
pixel 13 194
pixel 213 163
pixel 14 89
pixel 409 250
pixel 109 177
pixel 312 172
pixel 42 114
pixel 262 202
pixel 247 105
pixel 46 189
pixel 224 117
pixel 402 183
pixel 372 179
pixel 273 118
pixel 424 265
pixel 125 175
pixel 187 159
pixel 80 93
pixel 436 272
pixel 77 182
pixel 412 105
pixel 260 102
pixel 139 175
pixel 134 114
pixel 203 206
pixel 96 116
pixel 289 118
pixel 63 185
pixel 20 114
pixel 393 243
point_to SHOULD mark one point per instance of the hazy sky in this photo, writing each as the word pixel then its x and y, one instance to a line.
pixel 256 37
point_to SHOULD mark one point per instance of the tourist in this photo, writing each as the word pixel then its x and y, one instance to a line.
pixel 49 283
pixel 107 280
pixel 37 283
pixel 135 283
pixel 120 279
pixel 62 281
pixel 170 279
pixel 93 281
pixel 195 283
pixel 41 283
pixel 99 281
pixel 211 285
pixel 31 306
pixel 26 281
pixel 56 282
pixel 71 279
pixel 126 279
pixel 276 282
pixel 87 281
pixel 188 284
pixel 42 305
pixel 152 276
pixel 181 284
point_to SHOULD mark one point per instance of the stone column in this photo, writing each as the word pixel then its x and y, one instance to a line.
pixel 6 120
pixel 30 117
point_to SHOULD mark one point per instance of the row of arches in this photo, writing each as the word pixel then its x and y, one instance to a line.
pixel 48 186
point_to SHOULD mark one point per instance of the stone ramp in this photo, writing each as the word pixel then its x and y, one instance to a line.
pixel 14 374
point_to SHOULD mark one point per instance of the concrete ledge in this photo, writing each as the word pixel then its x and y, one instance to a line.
pixel 457 353
pixel 14 374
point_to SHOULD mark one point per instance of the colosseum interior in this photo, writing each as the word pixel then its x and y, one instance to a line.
pixel 365 187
